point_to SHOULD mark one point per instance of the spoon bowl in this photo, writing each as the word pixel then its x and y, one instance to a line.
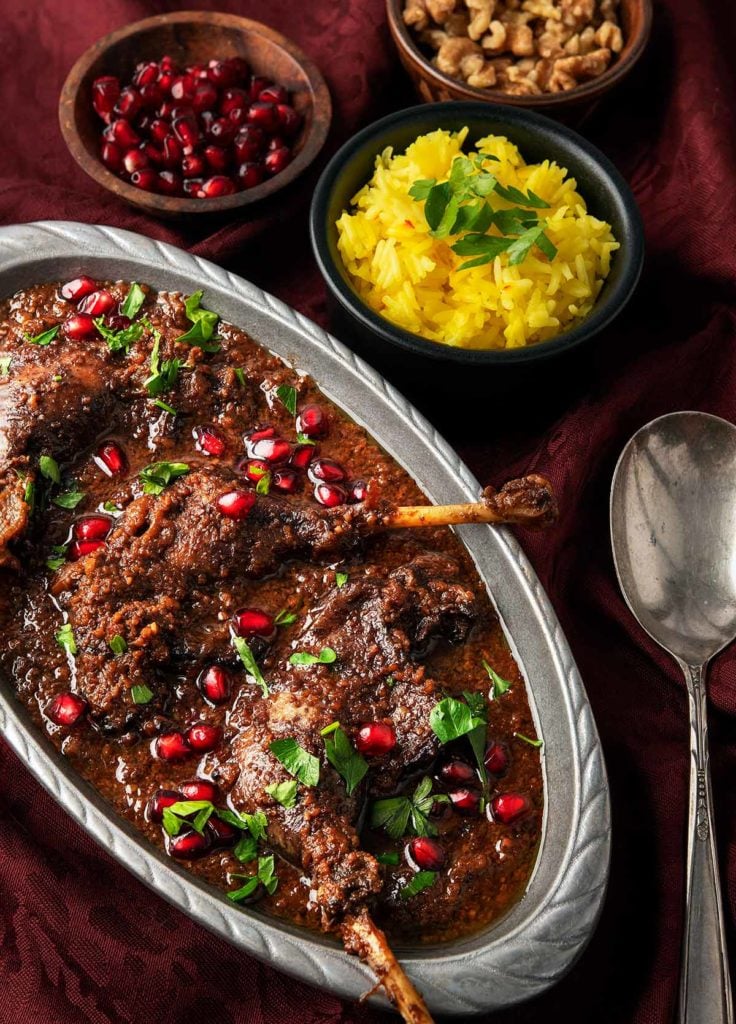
pixel 673 522
pixel 673 531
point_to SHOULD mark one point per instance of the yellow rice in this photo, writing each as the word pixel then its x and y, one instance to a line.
pixel 413 279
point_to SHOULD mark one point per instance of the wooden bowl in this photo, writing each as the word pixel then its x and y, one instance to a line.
pixel 193 37
pixel 433 85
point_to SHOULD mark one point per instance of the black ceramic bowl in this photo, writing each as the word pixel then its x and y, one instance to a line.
pixel 606 193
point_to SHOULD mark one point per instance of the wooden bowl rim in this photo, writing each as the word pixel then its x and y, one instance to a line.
pixel 154 201
pixel 632 51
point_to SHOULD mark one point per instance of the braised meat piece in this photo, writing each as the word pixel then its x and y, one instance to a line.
pixel 164 552
pixel 378 626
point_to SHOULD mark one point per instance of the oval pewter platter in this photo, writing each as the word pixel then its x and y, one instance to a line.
pixel 541 937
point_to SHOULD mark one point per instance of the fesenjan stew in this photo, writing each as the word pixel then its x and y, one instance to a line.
pixel 201 610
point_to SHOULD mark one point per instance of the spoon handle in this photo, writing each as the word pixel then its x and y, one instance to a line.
pixel 705 989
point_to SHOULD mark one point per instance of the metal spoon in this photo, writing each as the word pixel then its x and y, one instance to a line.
pixel 673 529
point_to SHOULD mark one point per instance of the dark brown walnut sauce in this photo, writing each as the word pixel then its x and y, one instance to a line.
pixel 488 864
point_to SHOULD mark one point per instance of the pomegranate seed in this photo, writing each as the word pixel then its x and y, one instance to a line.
pixel 164 111
pixel 214 682
pixel 257 85
pixel 289 120
pixel 202 737
pixel 199 789
pixel 105 94
pixel 285 480
pixel 236 504
pixel 326 470
pixel 275 142
pixel 257 434
pixel 147 179
pixel 223 73
pixel 183 87
pixel 303 455
pixel 209 440
pixel 271 449
pixel 358 491
pixel 249 143
pixel 238 67
pixel 107 134
pixel 312 421
pixel 222 131
pixel 118 322
pixel 274 94
pixel 66 709
pixel 169 183
pixel 276 161
pixel 92 527
pixel 78 288
pixel 264 115
pixel 192 166
pixel 466 801
pixel 217 157
pixel 172 151
pixel 188 845
pixel 458 773
pixel 161 798
pixel 197 71
pixel 375 739
pixel 215 187
pixel 254 622
pixel 238 116
pixel 204 97
pixel 129 103
pixel 111 156
pixel 97 303
pixel 135 160
pixel 81 548
pixel 186 132
pixel 425 853
pixel 111 458
pixel 124 134
pixel 192 186
pixel 254 469
pixel 158 130
pixel 171 746
pixel 145 74
pixel 154 153
pixel 222 833
pixel 250 174
pixel 79 326
pixel 507 807
pixel 152 96
pixel 232 98
pixel 330 495
pixel 497 758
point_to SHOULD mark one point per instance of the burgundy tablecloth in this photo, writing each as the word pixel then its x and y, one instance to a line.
pixel 81 940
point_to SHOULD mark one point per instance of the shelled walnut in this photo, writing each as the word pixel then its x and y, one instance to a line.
pixel 520 47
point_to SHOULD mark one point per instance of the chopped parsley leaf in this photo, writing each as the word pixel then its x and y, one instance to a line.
pixel 325 657
pixel 118 645
pixel 285 618
pixel 133 301
pixel 264 484
pixel 44 338
pixel 121 340
pixel 159 475
pixel 65 638
pixel 528 739
pixel 203 324
pixel 341 579
pixel 50 468
pixel 421 880
pixel 141 694
pixel 287 396
pixel 284 793
pixel 346 761
pixel 401 815
pixel 297 761
pixel 57 557
pixel 68 499
pixel 500 686
pixel 5 362
pixel 249 663
pixel 389 857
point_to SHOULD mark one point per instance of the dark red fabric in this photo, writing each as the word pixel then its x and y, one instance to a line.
pixel 80 940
